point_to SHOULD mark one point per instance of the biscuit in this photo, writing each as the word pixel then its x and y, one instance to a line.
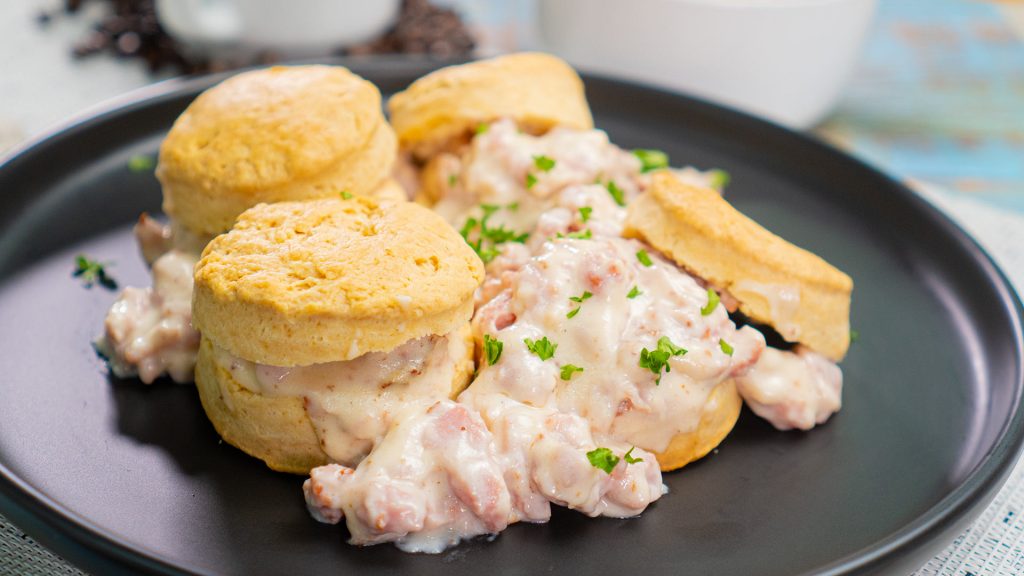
pixel 803 297
pixel 538 91
pixel 281 133
pixel 277 429
pixel 721 410
pixel 300 283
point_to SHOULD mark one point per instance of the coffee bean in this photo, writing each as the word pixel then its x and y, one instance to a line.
pixel 132 30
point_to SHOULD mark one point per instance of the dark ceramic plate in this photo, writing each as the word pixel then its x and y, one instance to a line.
pixel 118 476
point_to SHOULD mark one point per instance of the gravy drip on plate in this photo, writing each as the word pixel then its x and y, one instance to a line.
pixel 148 331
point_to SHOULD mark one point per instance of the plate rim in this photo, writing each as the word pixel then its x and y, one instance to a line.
pixel 28 507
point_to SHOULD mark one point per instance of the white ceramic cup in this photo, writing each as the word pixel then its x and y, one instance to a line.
pixel 290 28
pixel 786 60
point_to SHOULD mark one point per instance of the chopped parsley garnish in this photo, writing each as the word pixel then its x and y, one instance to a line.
pixel 644 258
pixel 657 360
pixel 492 349
pixel 725 346
pixel 543 348
pixel 512 207
pixel 530 180
pixel 579 300
pixel 92 272
pixel 651 159
pixel 585 212
pixel 854 336
pixel 603 458
pixel 719 178
pixel 141 163
pixel 581 235
pixel 713 300
pixel 628 456
pixel 544 163
pixel 482 128
pixel 346 195
pixel 477 231
pixel 634 292
pixel 568 370
pixel 617 193
pixel 453 179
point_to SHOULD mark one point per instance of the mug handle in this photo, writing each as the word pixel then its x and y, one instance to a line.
pixel 204 21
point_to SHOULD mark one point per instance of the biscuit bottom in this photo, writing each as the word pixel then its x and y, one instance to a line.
pixel 295 419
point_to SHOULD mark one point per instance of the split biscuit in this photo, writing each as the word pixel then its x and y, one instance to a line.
pixel 804 298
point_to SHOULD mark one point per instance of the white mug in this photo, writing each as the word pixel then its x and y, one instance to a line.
pixel 290 28
pixel 784 59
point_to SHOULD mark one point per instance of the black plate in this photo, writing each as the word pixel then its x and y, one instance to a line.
pixel 116 474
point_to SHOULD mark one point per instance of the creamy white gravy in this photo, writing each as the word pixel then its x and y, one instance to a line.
pixel 796 389
pixel 352 404
pixel 148 331
pixel 537 428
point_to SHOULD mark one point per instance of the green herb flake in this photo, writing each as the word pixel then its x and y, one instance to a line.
pixel 603 459
pixel 718 178
pixel 492 349
pixel 581 235
pixel 568 370
pixel 726 347
pixel 346 195
pixel 512 207
pixel 475 232
pixel 585 212
pixel 579 300
pixel 854 336
pixel 544 163
pixel 92 272
pixel 531 180
pixel 453 179
pixel 634 292
pixel 657 360
pixel 651 159
pixel 644 258
pixel 581 297
pixel 628 456
pixel 617 193
pixel 713 301
pixel 482 128
pixel 141 163
pixel 543 348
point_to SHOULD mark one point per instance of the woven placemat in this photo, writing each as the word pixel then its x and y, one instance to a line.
pixel 23 556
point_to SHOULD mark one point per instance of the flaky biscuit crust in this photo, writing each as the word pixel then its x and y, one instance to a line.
pixel 703 233
pixel 538 91
pixel 299 283
pixel 282 133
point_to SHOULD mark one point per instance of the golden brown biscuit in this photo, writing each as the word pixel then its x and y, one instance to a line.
pixel 720 413
pixel 278 429
pixel 538 91
pixel 803 297
pixel 300 283
pixel 282 133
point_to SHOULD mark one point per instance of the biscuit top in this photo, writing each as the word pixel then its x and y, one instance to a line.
pixel 802 296
pixel 299 283
pixel 538 91
pixel 266 127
